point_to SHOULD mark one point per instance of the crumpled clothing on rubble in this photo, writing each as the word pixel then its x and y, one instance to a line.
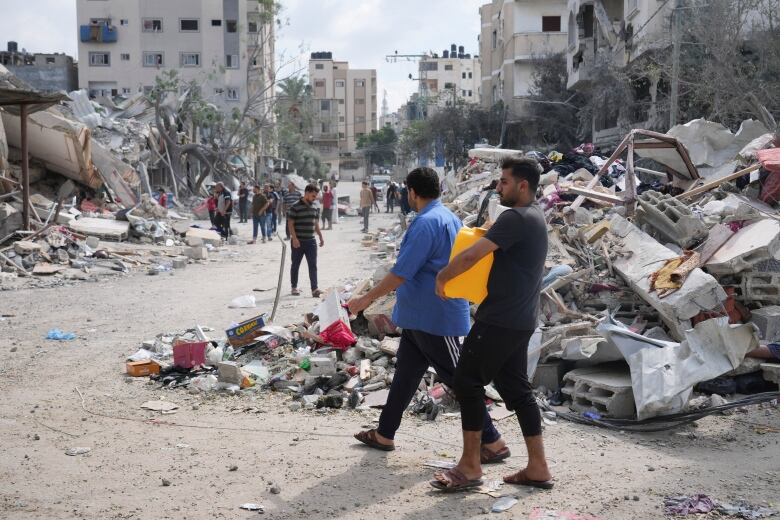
pixel 682 505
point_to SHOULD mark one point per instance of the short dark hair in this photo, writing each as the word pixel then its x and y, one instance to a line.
pixel 524 168
pixel 312 188
pixel 425 183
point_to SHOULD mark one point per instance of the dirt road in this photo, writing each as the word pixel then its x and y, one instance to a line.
pixel 310 456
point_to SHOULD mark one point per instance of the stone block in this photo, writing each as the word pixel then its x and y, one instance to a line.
pixel 379 316
pixel 604 389
pixel 767 319
pixel 748 247
pixel 180 262
pixel 671 219
pixel 206 235
pixel 230 372
pixel 549 375
pixel 699 292
pixel 194 241
pixel 771 372
pixel 26 247
pixel 322 366
pixel 197 253
pixel 763 288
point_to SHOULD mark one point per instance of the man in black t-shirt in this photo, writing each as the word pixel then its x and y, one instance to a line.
pixel 496 349
pixel 243 202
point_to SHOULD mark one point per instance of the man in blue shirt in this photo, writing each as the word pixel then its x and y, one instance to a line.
pixel 432 326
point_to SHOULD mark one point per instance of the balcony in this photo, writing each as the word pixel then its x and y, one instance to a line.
pixel 98 33
pixel 526 46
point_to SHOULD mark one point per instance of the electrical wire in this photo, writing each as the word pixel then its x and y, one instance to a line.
pixel 663 422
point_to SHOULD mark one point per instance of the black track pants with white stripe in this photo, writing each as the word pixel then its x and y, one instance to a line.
pixel 417 351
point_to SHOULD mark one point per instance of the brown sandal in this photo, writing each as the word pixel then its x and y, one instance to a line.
pixel 369 439
pixel 453 480
pixel 488 456
pixel 519 479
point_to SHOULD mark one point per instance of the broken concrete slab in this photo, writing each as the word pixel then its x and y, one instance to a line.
pixel 379 315
pixel 604 389
pixel 749 246
pixel 197 253
pixel 101 227
pixel 180 262
pixel 771 372
pixel 767 319
pixel 699 292
pixel 671 219
pixel 206 235
pixel 26 247
pixel 760 287
pixel 10 219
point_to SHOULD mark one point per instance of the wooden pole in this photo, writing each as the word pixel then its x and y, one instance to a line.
pixel 714 184
pixel 25 170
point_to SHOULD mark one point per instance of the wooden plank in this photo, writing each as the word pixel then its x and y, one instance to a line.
pixel 651 145
pixel 630 195
pixel 714 184
pixel 593 194
pixel 612 158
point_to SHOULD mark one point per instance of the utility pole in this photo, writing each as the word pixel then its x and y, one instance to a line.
pixel 423 79
pixel 674 95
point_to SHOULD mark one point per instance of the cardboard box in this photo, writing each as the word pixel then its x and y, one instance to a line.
pixel 246 332
pixel 188 355
pixel 143 368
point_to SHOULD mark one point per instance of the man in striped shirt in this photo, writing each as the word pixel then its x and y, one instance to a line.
pixel 290 197
pixel 302 224
pixel 431 325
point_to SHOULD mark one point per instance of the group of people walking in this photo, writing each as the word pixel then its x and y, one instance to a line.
pixel 496 345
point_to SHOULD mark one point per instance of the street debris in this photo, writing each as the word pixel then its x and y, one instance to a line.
pixel 73 452
pixel 58 335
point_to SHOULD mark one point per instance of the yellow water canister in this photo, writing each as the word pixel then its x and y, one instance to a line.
pixel 471 285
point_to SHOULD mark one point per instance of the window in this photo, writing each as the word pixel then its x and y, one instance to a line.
pixel 462 93
pixel 124 22
pixel 360 83
pixel 494 41
pixel 232 94
pixel 360 101
pixel 341 101
pixel 49 60
pixel 470 93
pixel 429 66
pixel 189 25
pixel 324 105
pixel 340 83
pixel 231 61
pixel 449 85
pixel 252 27
pixel 231 26
pixel 341 135
pixel 148 90
pixel 126 91
pixel 463 75
pixel 124 57
pixel 551 24
pixel 153 25
pixel 341 119
pixel 448 67
pixel 470 76
pixel 319 66
pixel 189 59
pixel 219 91
pixel 216 23
pixel 99 59
pixel 153 59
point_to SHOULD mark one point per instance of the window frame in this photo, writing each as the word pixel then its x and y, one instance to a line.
pixel 196 20
pixel 227 26
pixel 236 65
pixel 184 54
pixel 550 19
pixel 93 54
pixel 147 54
pixel 152 20
pixel 235 90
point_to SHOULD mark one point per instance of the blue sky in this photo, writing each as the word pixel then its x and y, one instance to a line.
pixel 359 31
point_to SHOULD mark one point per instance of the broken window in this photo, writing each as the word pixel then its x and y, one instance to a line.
pixel 99 59
pixel 551 24
pixel 153 59
pixel 153 25
pixel 189 25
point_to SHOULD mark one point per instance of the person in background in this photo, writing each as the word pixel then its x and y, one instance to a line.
pixel 224 209
pixel 496 348
pixel 366 202
pixel 392 194
pixel 404 196
pixel 243 202
pixel 271 211
pixel 375 196
pixel 303 223
pixel 327 207
pixel 163 200
pixel 259 214
pixel 211 205
pixel 291 197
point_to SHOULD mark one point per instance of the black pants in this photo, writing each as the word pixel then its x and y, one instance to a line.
pixel 418 351
pixel 242 211
pixel 222 222
pixel 309 250
pixel 500 355
pixel 212 217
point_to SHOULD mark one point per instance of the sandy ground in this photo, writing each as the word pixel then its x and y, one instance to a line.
pixel 310 455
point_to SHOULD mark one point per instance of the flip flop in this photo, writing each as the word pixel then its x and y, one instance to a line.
pixel 519 479
pixel 455 481
pixel 488 456
pixel 369 439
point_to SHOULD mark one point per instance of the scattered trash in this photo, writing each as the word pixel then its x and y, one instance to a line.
pixel 550 514
pixel 251 507
pixel 58 335
pixel 164 407
pixel 243 302
pixel 503 504
pixel 77 451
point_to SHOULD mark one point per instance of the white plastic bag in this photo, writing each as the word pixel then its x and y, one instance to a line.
pixel 243 302
pixel 204 383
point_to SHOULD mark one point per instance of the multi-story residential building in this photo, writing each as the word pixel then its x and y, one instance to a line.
pixel 618 33
pixel 513 34
pixel 347 98
pixel 449 79
pixel 224 45
pixel 45 72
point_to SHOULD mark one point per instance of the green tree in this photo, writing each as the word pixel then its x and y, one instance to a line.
pixel 295 119
pixel 379 147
